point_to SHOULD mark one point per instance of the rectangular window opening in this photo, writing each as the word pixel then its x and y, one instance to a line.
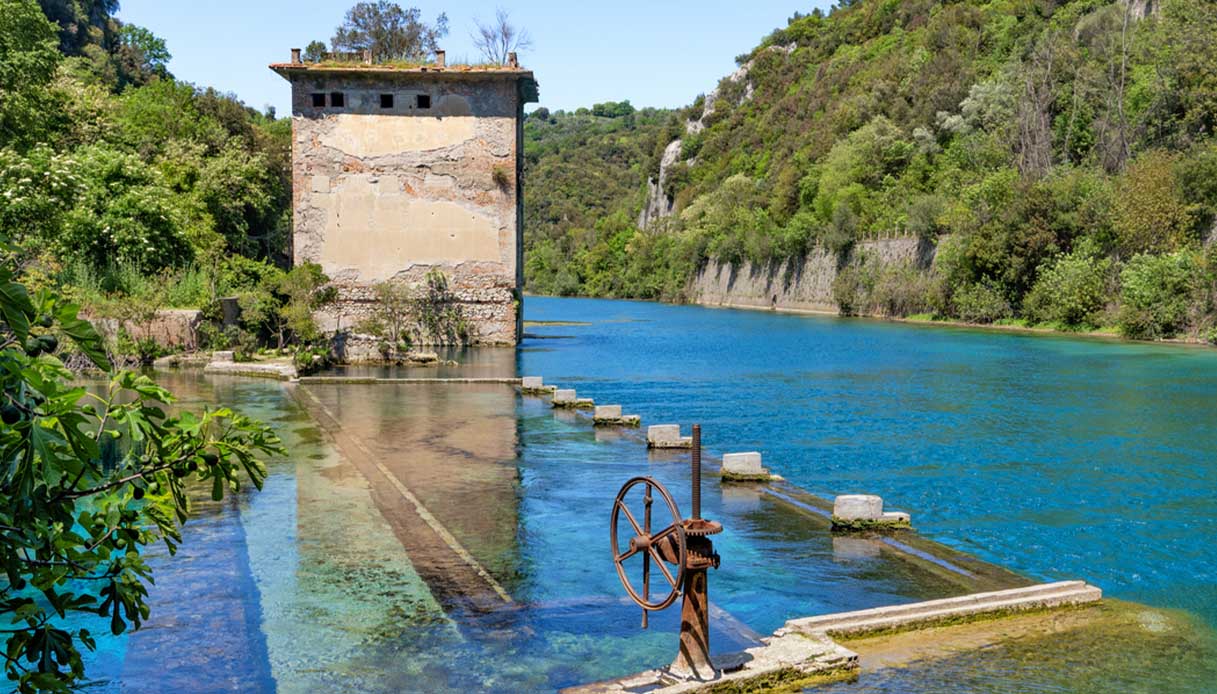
pixel 338 100
pixel 386 101
pixel 319 101
pixel 424 101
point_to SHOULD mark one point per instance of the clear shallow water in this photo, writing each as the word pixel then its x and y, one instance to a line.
pixel 1057 457
pixel 320 583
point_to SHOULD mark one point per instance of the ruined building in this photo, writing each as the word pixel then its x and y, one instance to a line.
pixel 400 170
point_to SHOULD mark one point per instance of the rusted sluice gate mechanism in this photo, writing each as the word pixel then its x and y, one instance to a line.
pixel 685 545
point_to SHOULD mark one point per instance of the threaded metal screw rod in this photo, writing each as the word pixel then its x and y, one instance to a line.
pixel 696 471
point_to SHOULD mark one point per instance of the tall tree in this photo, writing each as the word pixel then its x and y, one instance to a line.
pixel 315 52
pixel 28 58
pixel 389 32
pixel 496 39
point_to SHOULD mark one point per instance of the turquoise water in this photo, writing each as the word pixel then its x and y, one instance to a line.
pixel 320 583
pixel 1057 457
pixel 1060 458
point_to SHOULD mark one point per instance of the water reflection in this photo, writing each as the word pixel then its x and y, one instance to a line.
pixel 332 579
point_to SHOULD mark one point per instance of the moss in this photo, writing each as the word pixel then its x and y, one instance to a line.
pixel 862 525
pixel 735 477
pixel 784 680
pixel 953 620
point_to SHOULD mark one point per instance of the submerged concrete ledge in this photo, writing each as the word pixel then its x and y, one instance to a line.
pixel 224 363
pixel 993 603
pixel 803 651
pixel 372 380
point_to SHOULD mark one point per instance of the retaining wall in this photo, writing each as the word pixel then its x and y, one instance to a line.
pixel 798 285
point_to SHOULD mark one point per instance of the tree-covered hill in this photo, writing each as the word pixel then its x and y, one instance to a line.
pixel 585 171
pixel 1059 153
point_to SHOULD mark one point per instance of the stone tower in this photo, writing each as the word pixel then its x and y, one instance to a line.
pixel 396 171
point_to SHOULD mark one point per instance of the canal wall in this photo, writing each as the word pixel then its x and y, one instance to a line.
pixel 802 284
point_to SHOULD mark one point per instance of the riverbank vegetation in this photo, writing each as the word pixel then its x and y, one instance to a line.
pixel 131 191
pixel 1058 157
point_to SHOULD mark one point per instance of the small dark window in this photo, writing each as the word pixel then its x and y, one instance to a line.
pixel 319 101
pixel 424 101
pixel 386 101
pixel 338 100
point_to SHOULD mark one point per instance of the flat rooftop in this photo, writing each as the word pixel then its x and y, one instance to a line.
pixel 336 67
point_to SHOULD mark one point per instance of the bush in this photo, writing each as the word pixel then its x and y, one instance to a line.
pixel 980 303
pixel 1158 292
pixel 1071 290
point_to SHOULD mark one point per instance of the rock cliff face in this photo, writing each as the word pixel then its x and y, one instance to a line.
pixel 658 205
pixel 797 285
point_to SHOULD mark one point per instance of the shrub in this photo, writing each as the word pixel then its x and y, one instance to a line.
pixel 1151 215
pixel 980 303
pixel 1070 290
pixel 1157 293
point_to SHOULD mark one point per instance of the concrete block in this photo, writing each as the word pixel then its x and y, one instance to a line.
pixel 667 436
pixel 858 507
pixel 608 412
pixel 532 383
pixel 865 512
pixel 743 463
pixel 223 357
pixel 564 398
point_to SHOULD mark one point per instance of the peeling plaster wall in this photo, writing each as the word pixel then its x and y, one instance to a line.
pixel 387 194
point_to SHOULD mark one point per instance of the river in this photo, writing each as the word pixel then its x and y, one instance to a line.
pixel 1058 457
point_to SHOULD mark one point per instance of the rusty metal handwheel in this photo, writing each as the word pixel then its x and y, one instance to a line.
pixel 664 547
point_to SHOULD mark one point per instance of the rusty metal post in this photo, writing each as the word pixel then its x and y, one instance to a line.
pixel 693 659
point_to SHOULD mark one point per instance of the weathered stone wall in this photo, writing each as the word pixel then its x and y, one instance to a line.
pixel 173 328
pixel 804 285
pixel 386 194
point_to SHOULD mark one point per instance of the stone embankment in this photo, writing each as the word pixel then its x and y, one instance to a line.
pixel 805 284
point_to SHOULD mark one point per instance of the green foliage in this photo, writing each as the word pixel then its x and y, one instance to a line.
pixel 148 51
pixel 389 32
pixel 980 303
pixel 314 52
pixel 96 477
pixel 1158 292
pixel 1011 134
pixel 1151 214
pixel 613 109
pixel 439 318
pixel 1070 291
pixel 28 59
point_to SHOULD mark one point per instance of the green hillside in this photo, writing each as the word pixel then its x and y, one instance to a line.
pixel 1060 155
pixel 121 182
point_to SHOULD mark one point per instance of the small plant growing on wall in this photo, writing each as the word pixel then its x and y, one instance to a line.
pixel 501 177
pixel 438 315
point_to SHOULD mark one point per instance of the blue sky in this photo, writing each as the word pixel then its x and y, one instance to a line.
pixel 656 53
